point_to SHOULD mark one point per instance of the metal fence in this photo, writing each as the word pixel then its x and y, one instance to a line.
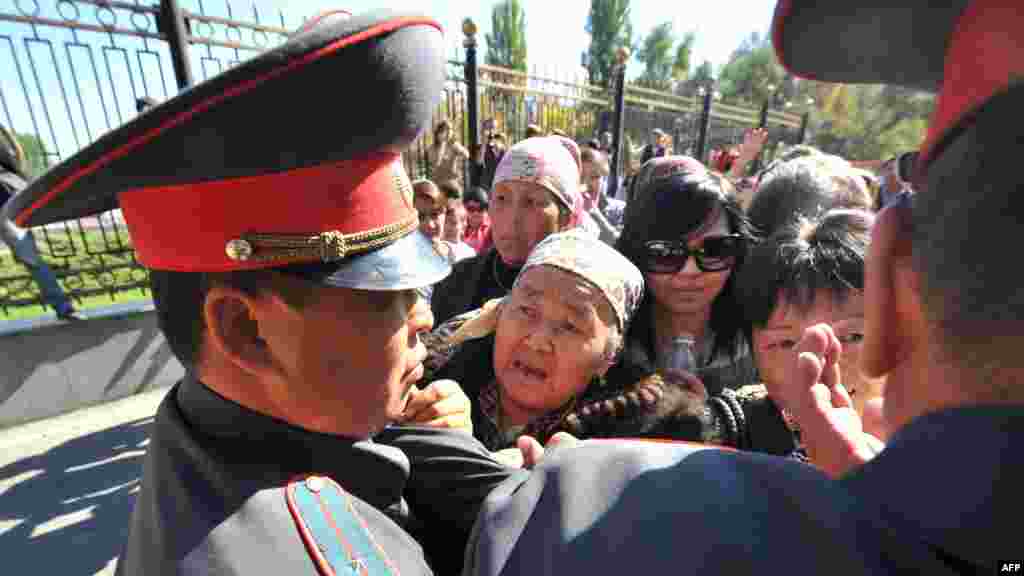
pixel 71 70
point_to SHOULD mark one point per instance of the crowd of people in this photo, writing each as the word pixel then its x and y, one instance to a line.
pixel 687 256
pixel 513 373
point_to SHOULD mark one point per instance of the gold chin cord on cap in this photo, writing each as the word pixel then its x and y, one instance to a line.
pixel 330 246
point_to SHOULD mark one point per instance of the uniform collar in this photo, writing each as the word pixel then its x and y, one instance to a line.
pixel 952 479
pixel 373 472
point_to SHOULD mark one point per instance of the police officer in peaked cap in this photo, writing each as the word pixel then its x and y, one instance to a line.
pixel 271 206
pixel 944 323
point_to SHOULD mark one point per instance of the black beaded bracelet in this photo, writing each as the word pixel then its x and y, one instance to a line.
pixel 726 414
pixel 742 430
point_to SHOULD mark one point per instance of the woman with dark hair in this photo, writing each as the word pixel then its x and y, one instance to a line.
pixel 446 155
pixel 688 235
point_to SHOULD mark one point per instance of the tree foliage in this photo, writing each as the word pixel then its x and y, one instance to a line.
pixel 703 75
pixel 858 122
pixel 752 73
pixel 506 43
pixel 870 122
pixel 610 29
pixel 656 54
pixel 681 64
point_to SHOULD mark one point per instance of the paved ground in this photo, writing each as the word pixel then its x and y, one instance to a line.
pixel 67 486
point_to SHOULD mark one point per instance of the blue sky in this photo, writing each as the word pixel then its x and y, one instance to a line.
pixel 555 39
pixel 555 28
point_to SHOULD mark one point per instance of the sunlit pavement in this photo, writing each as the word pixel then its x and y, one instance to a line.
pixel 67 487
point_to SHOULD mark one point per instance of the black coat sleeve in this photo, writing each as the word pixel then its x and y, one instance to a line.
pixel 441 299
pixel 456 293
pixel 451 475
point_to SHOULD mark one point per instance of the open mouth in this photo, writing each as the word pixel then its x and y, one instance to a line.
pixel 529 371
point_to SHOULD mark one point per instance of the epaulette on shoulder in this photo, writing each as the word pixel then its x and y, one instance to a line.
pixel 336 536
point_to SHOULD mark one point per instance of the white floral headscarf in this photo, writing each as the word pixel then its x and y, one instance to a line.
pixel 620 282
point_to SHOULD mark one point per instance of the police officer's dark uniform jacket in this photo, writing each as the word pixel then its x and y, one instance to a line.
pixel 315 188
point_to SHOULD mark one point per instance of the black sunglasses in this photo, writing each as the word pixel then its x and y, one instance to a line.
pixel 717 253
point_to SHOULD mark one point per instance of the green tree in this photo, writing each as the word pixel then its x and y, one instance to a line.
pixel 753 73
pixel 681 63
pixel 872 122
pixel 656 54
pixel 610 29
pixel 506 44
pixel 858 122
pixel 36 159
pixel 703 75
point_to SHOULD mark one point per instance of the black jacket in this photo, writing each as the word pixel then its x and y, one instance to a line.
pixel 472 282
pixel 214 501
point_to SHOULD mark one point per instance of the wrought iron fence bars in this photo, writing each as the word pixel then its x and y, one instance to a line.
pixel 59 100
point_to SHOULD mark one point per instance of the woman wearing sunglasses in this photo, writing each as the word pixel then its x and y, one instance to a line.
pixel 688 235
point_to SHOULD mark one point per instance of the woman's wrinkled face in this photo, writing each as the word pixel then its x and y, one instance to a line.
pixel 522 214
pixel 690 291
pixel 552 338
pixel 775 343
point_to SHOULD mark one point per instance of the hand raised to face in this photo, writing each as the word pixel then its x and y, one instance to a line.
pixel 831 428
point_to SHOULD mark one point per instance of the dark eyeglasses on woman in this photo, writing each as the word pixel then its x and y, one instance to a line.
pixel 715 254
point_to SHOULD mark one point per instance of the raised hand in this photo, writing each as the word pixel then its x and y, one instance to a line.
pixel 753 141
pixel 830 427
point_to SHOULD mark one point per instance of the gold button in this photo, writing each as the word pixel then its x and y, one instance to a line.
pixel 238 249
pixel 315 483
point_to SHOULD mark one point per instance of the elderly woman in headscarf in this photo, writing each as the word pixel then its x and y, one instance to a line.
pixel 536 193
pixel 530 360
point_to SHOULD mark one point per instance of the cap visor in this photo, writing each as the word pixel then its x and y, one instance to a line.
pixel 406 264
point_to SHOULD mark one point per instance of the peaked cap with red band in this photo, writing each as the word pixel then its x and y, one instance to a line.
pixel 970 52
pixel 291 158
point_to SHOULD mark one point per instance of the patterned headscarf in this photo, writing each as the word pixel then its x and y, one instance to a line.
pixel 552 162
pixel 579 253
